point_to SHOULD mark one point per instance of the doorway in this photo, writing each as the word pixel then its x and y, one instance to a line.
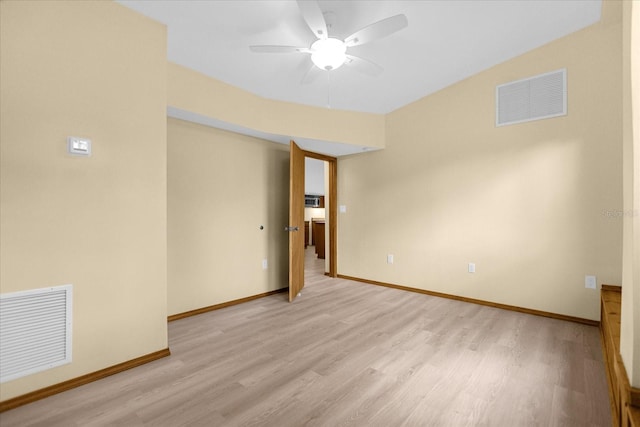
pixel 315 216
pixel 329 178
pixel 297 159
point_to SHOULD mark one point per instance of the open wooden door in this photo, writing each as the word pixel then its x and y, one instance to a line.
pixel 296 221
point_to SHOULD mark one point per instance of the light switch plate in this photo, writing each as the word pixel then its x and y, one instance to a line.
pixel 343 208
pixel 590 282
pixel 472 267
pixel 79 146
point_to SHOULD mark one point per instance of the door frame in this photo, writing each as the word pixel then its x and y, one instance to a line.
pixel 333 209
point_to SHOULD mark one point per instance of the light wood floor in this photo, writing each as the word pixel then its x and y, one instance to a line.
pixel 348 353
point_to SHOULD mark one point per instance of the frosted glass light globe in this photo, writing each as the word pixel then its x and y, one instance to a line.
pixel 328 54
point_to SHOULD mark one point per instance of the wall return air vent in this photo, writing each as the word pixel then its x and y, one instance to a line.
pixel 35 331
pixel 534 98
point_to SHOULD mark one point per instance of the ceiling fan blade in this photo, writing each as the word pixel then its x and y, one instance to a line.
pixel 278 49
pixel 377 30
pixel 312 15
pixel 364 66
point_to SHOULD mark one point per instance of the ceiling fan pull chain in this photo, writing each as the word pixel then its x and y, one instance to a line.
pixel 328 90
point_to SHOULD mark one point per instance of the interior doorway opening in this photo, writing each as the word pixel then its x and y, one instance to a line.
pixel 296 225
pixel 320 208
pixel 316 183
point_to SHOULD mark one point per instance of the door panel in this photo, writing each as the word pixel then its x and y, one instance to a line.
pixel 296 221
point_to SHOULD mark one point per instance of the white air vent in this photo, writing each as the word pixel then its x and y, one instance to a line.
pixel 35 331
pixel 533 98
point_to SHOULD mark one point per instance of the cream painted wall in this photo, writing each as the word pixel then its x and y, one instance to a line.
pixel 530 203
pixel 192 91
pixel 314 212
pixel 221 187
pixel 96 70
pixel 630 214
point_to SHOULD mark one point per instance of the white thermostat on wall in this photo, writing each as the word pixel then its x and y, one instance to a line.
pixel 79 146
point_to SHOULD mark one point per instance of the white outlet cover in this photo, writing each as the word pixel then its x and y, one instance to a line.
pixel 472 267
pixel 265 264
pixel 590 282
pixel 390 259
pixel 343 208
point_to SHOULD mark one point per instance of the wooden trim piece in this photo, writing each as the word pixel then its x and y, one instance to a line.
pixel 477 301
pixel 634 397
pixel 624 399
pixel 633 415
pixel 621 382
pixel 609 375
pixel 319 156
pixel 624 392
pixel 333 218
pixel 223 305
pixel 79 381
pixel 610 335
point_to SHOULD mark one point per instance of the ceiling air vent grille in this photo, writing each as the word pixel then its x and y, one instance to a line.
pixel 533 98
pixel 35 331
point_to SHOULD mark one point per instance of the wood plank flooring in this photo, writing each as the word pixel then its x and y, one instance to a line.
pixel 348 353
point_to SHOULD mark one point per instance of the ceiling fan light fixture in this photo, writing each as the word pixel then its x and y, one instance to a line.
pixel 328 54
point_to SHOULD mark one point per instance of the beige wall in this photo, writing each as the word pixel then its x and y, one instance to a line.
pixel 315 212
pixel 630 215
pixel 192 91
pixel 221 187
pixel 527 203
pixel 96 70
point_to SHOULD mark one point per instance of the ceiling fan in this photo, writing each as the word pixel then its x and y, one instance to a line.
pixel 328 53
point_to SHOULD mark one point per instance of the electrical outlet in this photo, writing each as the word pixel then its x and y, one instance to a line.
pixel 590 282
pixel 265 264
pixel 390 259
pixel 472 267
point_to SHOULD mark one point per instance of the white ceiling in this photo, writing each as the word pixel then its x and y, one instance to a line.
pixel 446 41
